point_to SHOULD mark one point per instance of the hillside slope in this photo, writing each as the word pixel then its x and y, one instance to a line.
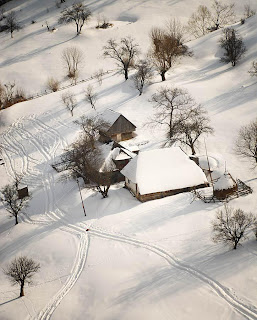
pixel 138 260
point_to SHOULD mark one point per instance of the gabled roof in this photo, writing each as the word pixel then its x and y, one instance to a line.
pixel 117 122
pixel 110 116
pixel 163 170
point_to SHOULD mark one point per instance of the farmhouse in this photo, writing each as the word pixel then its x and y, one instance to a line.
pixel 119 128
pixel 159 173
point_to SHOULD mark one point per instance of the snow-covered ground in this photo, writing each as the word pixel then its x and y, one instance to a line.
pixel 139 260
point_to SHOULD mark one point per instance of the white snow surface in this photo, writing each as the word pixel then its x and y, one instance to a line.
pixel 152 260
pixel 163 170
pixel 224 182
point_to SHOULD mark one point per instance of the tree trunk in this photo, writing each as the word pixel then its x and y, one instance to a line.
pixel 163 75
pixel 11 34
pixel 126 73
pixel 16 219
pixel 80 28
pixel 22 290
pixel 193 149
pixel 235 245
pixel 77 28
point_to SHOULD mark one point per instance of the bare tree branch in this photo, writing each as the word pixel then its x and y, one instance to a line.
pixel 20 271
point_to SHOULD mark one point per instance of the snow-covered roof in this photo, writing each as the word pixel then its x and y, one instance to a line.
pixel 203 163
pixel 225 182
pixel 110 116
pixel 128 146
pixel 122 156
pixel 162 170
pixel 133 148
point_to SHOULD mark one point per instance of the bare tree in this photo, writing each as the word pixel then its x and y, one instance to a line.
pixel 123 52
pixel 84 159
pixel 10 94
pixel 246 142
pixel 52 84
pixel 69 101
pixel 222 14
pixel 99 76
pixel 9 91
pixel 230 225
pixel 80 157
pixel 92 125
pixel 91 96
pixel 72 58
pixel 169 104
pixel 233 45
pixel 103 22
pixel 200 22
pixel 193 123
pixel 20 271
pixel 77 13
pixel 166 47
pixel 11 200
pixel 185 120
pixel 143 76
pixel 11 23
pixel 248 11
pixel 253 70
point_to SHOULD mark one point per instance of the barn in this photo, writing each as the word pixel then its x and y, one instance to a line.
pixel 118 129
pixel 164 172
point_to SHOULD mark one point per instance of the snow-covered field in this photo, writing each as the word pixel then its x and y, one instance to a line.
pixel 152 260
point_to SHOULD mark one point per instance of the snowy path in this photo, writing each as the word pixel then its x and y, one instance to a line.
pixel 45 143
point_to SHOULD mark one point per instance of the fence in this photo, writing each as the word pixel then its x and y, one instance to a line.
pixel 38 95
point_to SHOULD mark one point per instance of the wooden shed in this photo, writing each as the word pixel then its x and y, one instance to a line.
pixel 225 186
pixel 160 173
pixel 119 128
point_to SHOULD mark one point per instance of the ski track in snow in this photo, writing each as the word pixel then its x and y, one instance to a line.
pixel 13 146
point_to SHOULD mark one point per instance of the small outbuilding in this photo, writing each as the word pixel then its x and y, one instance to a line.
pixel 164 172
pixel 118 127
pixel 225 186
